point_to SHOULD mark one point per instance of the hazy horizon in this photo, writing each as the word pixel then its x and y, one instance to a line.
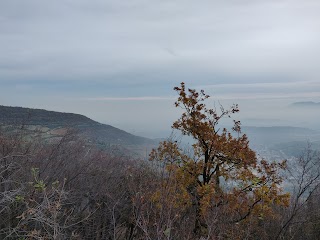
pixel 118 61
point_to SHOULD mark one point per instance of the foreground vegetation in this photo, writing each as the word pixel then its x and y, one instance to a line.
pixel 218 189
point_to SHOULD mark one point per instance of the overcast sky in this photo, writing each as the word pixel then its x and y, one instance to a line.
pixel 117 61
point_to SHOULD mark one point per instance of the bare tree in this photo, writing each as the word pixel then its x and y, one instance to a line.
pixel 304 181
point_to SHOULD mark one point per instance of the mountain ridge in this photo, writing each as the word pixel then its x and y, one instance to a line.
pixel 305 104
pixel 87 127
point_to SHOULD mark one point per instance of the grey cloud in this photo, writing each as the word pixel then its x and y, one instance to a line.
pixel 79 39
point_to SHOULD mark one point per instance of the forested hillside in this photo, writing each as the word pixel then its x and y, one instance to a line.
pixel 218 189
pixel 50 124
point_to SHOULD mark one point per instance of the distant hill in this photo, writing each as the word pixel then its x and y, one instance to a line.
pixel 296 148
pixel 279 134
pixel 51 119
pixel 306 104
pixel 55 123
pixel 281 142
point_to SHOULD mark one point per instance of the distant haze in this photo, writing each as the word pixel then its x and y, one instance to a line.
pixel 118 61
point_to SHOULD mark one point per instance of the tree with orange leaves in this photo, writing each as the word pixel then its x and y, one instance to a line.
pixel 222 176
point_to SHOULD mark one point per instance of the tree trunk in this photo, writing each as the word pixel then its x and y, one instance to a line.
pixel 200 227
